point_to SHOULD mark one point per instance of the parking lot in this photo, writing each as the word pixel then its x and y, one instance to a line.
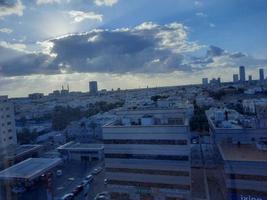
pixel 73 173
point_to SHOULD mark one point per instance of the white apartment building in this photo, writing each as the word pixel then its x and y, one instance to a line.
pixel 148 157
pixel 7 123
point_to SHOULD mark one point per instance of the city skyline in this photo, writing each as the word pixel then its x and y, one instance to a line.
pixel 47 43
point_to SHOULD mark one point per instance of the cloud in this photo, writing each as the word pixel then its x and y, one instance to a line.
pixel 201 14
pixel 218 58
pixel 79 16
pixel 12 7
pixel 106 2
pixel 14 46
pixel 41 2
pixel 6 30
pixel 148 48
pixel 198 3
pixel 212 25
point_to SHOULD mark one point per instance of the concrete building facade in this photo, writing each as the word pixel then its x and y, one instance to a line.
pixel 148 158
pixel 245 169
pixel 7 123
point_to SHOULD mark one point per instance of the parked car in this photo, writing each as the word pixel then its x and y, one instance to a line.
pixel 69 196
pixel 102 196
pixel 105 181
pixel 77 190
pixel 97 170
pixel 90 178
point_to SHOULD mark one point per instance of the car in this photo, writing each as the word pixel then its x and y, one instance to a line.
pixel 59 172
pixel 18 189
pixel 77 190
pixel 102 196
pixel 69 196
pixel 71 179
pixel 105 181
pixel 90 178
pixel 97 170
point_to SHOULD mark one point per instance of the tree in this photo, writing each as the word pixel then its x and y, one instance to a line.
pixel 26 136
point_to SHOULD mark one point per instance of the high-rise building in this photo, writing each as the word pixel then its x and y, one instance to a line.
pixel 147 156
pixel 8 134
pixel 250 78
pixel 93 87
pixel 242 74
pixel 235 78
pixel 205 81
pixel 261 73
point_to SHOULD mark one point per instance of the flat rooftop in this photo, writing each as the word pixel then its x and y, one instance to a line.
pixel 29 169
pixel 19 150
pixel 175 122
pixel 72 146
pixel 242 152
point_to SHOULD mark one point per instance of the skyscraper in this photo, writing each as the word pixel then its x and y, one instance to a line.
pixel 205 81
pixel 235 78
pixel 261 73
pixel 250 78
pixel 93 87
pixel 242 74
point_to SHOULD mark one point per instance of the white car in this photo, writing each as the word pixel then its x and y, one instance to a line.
pixel 102 196
pixel 69 196
pixel 97 170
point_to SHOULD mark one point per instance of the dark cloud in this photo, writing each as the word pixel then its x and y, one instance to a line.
pixel 17 63
pixel 214 51
pixel 238 55
pixel 148 48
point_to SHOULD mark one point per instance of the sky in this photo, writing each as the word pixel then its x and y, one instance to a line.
pixel 45 44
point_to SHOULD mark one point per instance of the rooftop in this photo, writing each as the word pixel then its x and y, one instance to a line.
pixel 242 152
pixel 29 169
pixel 19 150
pixel 81 146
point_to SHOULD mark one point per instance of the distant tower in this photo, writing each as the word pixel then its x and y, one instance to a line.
pixel 235 78
pixel 250 78
pixel 242 74
pixel 205 81
pixel 261 72
pixel 68 87
pixel 93 87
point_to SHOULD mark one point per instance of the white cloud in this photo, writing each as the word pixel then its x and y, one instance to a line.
pixel 6 30
pixel 105 2
pixel 43 2
pixel 201 14
pixel 79 16
pixel 14 46
pixel 146 26
pixel 40 2
pixel 174 37
pixel 212 25
pixel 198 3
pixel 7 8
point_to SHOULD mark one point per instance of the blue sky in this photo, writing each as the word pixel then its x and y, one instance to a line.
pixel 56 42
